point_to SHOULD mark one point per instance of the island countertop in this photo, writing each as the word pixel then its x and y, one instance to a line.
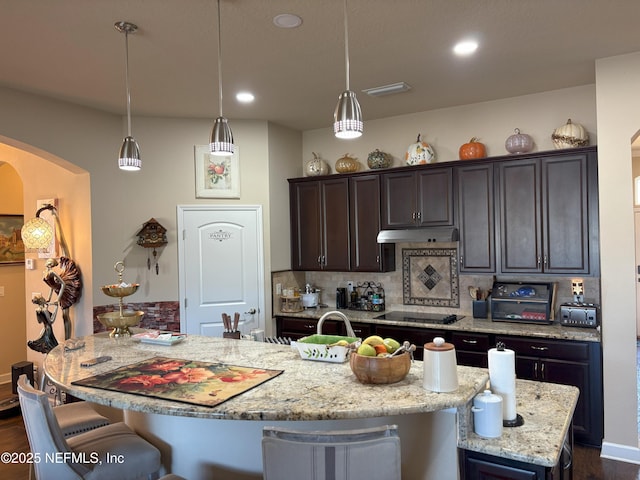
pixel 306 390
pixel 311 391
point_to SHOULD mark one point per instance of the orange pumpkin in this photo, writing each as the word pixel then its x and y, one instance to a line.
pixel 473 149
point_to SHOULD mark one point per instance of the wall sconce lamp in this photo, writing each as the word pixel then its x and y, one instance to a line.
pixel 37 232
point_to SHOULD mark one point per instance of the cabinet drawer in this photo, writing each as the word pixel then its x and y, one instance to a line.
pixel 309 326
pixel 417 336
pixel 559 349
pixel 470 342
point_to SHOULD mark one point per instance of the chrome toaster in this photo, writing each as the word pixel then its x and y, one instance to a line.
pixel 579 315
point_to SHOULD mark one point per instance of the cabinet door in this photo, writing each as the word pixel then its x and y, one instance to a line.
pixel 435 197
pixel 520 216
pixel 335 224
pixel 476 218
pixel 367 255
pixel 416 336
pixel 399 191
pixel 306 225
pixel 576 374
pixel 565 219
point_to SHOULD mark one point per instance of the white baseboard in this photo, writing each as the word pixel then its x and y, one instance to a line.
pixel 622 453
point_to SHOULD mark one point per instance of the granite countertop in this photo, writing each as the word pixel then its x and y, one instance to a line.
pixel 547 410
pixel 312 390
pixel 466 324
pixel 307 390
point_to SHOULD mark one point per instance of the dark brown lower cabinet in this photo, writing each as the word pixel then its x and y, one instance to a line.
pixel 480 466
pixel 568 363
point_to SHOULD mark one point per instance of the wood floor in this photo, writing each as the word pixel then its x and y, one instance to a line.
pixel 587 464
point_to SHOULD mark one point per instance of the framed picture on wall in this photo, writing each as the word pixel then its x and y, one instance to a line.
pixel 216 176
pixel 11 246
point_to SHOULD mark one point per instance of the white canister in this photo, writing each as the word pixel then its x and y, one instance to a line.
pixel 309 300
pixel 487 414
pixel 440 368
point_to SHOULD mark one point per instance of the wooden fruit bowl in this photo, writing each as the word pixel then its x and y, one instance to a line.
pixel 380 370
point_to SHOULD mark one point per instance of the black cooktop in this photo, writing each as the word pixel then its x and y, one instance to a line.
pixel 419 317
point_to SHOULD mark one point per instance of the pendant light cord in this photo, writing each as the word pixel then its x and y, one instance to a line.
pixel 346 43
pixel 219 61
pixel 126 70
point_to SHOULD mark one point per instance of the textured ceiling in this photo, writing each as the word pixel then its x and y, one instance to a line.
pixel 69 50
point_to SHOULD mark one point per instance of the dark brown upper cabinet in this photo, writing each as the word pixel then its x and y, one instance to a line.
pixel 417 198
pixel 475 193
pixel 547 214
pixel 320 224
pixel 367 255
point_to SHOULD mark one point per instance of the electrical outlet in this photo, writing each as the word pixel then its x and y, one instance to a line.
pixel 2 291
pixel 278 289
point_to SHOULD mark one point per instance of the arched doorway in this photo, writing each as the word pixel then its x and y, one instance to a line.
pixel 46 176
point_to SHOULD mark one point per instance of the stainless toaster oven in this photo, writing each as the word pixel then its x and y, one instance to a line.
pixel 579 315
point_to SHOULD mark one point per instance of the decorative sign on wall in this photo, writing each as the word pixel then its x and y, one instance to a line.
pixel 430 277
pixel 217 177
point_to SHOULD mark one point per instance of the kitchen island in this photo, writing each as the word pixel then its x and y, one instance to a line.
pixel 224 441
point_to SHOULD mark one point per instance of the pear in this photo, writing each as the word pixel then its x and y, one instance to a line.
pixel 391 344
pixel 367 350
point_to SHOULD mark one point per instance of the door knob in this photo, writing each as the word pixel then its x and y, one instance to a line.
pixel 252 311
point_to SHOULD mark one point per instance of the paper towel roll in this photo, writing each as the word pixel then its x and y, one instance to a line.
pixel 502 376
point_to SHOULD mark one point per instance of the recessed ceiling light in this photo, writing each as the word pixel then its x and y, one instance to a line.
pixel 287 20
pixel 466 47
pixel 245 97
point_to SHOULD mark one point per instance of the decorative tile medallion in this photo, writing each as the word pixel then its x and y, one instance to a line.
pixel 430 277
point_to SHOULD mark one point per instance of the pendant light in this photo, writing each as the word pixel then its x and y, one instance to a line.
pixel 347 119
pixel 221 137
pixel 129 157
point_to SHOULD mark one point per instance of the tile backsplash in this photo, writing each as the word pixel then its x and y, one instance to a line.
pixel 392 282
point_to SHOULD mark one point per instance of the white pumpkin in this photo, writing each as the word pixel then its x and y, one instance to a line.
pixel 420 153
pixel 316 167
pixel 570 135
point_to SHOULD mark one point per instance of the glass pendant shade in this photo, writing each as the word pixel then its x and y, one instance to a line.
pixel 221 138
pixel 37 234
pixel 347 118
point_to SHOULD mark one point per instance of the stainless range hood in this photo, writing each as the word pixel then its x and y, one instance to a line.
pixel 419 235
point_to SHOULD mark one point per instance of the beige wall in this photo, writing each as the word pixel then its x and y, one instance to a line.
pixel 446 129
pixel 618 104
pixel 12 307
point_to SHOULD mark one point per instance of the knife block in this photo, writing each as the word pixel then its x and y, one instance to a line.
pixel 235 335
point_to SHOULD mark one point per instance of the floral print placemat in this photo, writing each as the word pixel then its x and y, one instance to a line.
pixel 188 381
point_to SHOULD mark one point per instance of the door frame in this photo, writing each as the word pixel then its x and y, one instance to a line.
pixel 180 210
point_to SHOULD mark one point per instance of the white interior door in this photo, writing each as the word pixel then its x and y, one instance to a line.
pixel 220 267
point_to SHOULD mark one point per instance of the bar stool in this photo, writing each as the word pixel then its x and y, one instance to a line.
pixel 360 454
pixel 85 455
